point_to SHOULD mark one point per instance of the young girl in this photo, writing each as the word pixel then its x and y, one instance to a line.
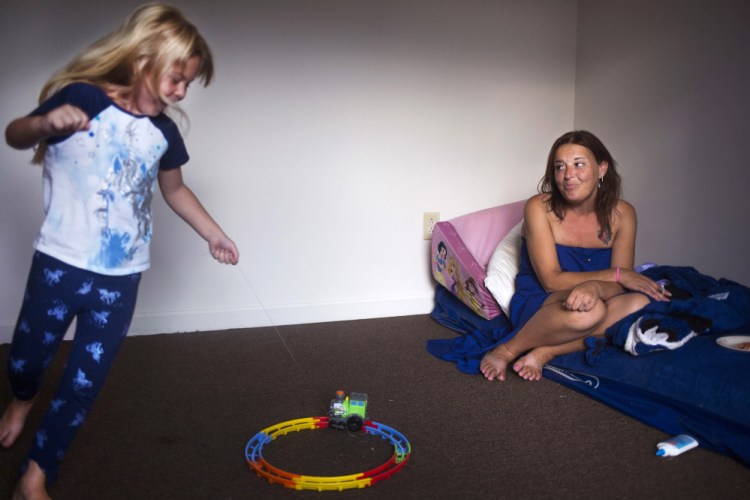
pixel 104 140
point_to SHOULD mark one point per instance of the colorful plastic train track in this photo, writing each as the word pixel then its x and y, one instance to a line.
pixel 254 456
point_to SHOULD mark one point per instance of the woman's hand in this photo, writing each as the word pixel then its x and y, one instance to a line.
pixel 583 297
pixel 636 282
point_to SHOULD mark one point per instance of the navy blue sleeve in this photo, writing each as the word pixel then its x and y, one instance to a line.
pixel 90 98
pixel 176 154
pixel 93 100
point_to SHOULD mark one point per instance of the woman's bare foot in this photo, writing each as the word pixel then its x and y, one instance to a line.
pixel 530 366
pixel 11 424
pixel 495 362
pixel 32 485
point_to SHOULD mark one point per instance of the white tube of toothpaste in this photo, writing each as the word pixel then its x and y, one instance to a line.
pixel 676 445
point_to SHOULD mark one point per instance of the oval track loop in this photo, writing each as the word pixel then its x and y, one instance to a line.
pixel 254 457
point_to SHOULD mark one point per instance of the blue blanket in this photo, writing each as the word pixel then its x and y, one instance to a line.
pixel 700 304
pixel 700 389
pixel 479 335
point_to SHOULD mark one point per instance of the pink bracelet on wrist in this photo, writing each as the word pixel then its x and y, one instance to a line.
pixel 617 274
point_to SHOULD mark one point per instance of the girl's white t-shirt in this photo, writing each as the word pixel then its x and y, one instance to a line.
pixel 98 183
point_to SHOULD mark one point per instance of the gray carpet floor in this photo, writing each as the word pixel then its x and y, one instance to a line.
pixel 178 410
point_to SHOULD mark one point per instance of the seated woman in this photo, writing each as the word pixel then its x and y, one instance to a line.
pixel 576 271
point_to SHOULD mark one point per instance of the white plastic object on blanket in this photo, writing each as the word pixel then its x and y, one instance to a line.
pixel 676 445
pixel 652 337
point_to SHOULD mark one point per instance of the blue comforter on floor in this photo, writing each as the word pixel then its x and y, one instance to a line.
pixel 479 334
pixel 700 304
pixel 697 387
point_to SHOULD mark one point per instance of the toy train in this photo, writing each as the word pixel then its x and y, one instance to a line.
pixel 348 412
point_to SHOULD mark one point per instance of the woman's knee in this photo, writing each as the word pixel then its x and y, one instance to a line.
pixel 637 301
pixel 587 321
pixel 626 304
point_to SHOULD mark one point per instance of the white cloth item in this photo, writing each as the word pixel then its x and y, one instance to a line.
pixel 503 267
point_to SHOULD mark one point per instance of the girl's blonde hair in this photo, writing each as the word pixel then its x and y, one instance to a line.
pixel 147 44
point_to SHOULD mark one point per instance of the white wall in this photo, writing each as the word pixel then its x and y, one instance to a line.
pixel 331 127
pixel 665 84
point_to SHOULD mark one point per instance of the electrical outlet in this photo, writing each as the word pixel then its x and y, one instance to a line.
pixel 429 221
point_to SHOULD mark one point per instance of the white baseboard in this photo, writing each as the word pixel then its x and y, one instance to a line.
pixel 288 314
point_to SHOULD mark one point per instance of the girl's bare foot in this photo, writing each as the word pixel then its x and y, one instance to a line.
pixel 32 486
pixel 495 362
pixel 11 424
pixel 530 366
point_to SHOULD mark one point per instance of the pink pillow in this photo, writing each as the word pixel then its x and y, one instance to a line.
pixel 482 231
pixel 461 249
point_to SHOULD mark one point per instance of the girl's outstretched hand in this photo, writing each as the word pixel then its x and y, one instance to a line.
pixel 224 250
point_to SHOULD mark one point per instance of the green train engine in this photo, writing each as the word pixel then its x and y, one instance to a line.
pixel 348 412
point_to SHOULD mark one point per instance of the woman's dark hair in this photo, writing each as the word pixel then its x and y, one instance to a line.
pixel 609 192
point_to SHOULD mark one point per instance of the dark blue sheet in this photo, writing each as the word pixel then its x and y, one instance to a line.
pixel 699 304
pixel 701 389
pixel 479 334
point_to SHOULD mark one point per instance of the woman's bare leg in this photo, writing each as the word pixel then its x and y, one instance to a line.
pixel 529 367
pixel 551 325
pixel 558 331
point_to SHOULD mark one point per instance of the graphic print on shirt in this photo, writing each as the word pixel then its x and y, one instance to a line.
pixel 98 184
pixel 128 183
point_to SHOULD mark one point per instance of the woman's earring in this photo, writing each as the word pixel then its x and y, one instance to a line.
pixel 599 184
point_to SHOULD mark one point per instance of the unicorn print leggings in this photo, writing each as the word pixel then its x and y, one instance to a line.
pixel 103 306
